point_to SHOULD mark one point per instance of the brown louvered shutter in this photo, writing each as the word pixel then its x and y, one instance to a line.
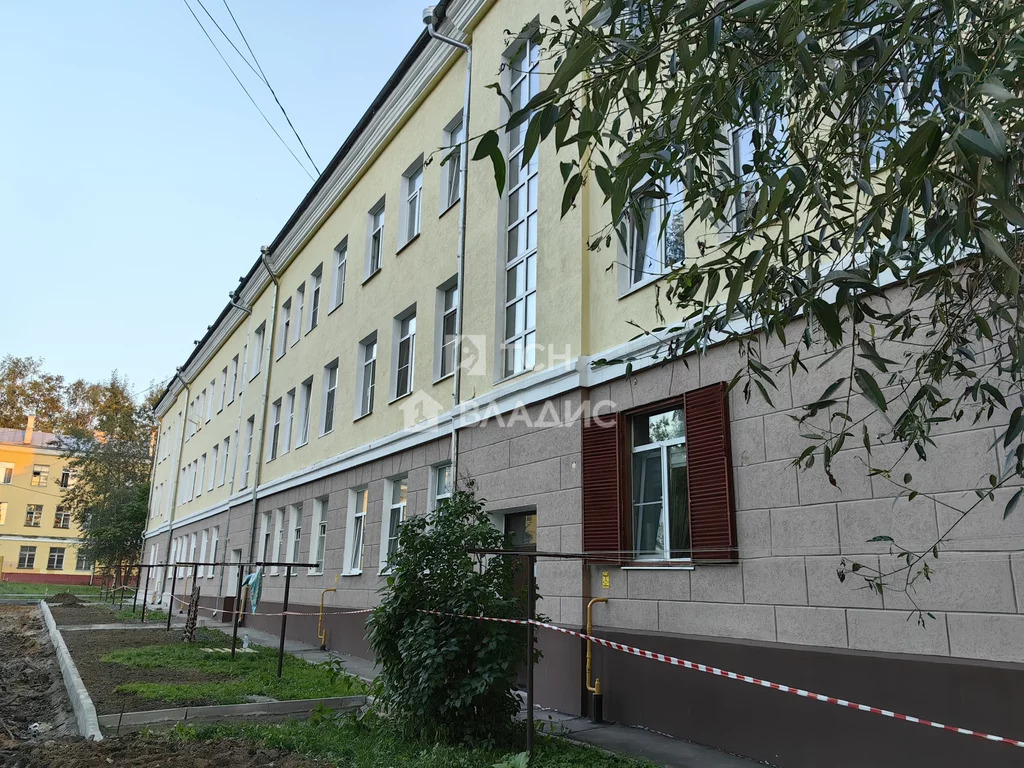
pixel 709 474
pixel 602 486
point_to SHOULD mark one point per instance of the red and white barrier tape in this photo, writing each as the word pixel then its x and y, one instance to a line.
pixel 748 679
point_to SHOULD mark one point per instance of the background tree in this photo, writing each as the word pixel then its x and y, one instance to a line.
pixel 109 498
pixel 444 677
pixel 822 149
pixel 25 388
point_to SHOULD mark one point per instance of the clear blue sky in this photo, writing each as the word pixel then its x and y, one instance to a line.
pixel 137 181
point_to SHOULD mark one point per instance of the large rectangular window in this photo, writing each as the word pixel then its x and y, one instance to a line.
pixel 83 563
pixel 257 350
pixel 62 518
pixel 296 535
pixel 55 561
pixel 655 235
pixel 285 328
pixel 367 374
pixel 33 515
pixel 442 484
pixel 520 288
pixel 330 396
pixel 278 540
pixel 234 379
pixel 223 389
pixel 340 267
pixel 200 475
pixel 305 404
pixel 214 466
pixel 315 282
pixel 454 135
pixel 214 541
pixel 300 308
pixel 250 427
pixel 448 307
pixel 41 475
pixel 394 514
pixel 375 240
pixel 275 429
pixel 405 354
pixel 412 183
pixel 226 461
pixel 289 421
pixel 26 557
pixel 210 399
pixel 661 519
pixel 358 503
pixel 320 507
pixel 6 473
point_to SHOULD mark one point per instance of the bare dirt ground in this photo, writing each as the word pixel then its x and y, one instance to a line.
pixel 88 647
pixel 74 612
pixel 136 751
pixel 33 701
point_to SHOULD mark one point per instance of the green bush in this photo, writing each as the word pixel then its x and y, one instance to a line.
pixel 442 677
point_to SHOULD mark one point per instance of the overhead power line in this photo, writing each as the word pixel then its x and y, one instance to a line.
pixel 246 90
pixel 266 81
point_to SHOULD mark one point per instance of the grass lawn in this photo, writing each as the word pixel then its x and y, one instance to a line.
pixel 156 616
pixel 249 674
pixel 352 743
pixel 14 588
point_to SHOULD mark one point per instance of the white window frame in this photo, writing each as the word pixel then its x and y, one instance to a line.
pixel 316 281
pixel 410 217
pixel 454 134
pixel 264 540
pixel 392 508
pixel 305 412
pixel 203 544
pixel 61 515
pixel 289 421
pixel 36 519
pixel 294 536
pixel 340 268
pixel 210 399
pixel 355 531
pixel 375 221
pixel 518 344
pixel 214 465
pixel 40 475
pixel 26 557
pixel 214 541
pixel 442 313
pixel 366 375
pixel 277 540
pixel 318 553
pixel 250 428
pixel 404 340
pixel 200 474
pixel 654 214
pixel 6 473
pixel 275 430
pixel 256 351
pixel 330 403
pixel 435 493
pixel 223 389
pixel 222 477
pixel 284 328
pixel 55 558
pixel 663 446
pixel 234 379
pixel 3 512
pixel 300 311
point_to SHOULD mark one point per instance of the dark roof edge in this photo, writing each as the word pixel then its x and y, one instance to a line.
pixel 378 101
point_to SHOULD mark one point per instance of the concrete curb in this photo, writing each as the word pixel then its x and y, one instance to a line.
pixel 81 703
pixel 225 711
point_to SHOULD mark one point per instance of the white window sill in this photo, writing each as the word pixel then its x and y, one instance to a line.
pixel 396 398
pixel 361 416
pixel 442 378
pixel 451 205
pixel 352 573
pixel 314 572
pixel 370 276
pixel 511 376
pixel 657 568
pixel 407 243
pixel 331 310
pixel 646 282
pixel 300 445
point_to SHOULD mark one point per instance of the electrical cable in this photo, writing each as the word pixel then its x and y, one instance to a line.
pixel 242 86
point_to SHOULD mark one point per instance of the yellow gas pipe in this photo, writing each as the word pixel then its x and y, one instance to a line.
pixel 321 630
pixel 596 687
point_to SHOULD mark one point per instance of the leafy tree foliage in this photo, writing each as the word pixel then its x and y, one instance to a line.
pixel 821 151
pixel 109 498
pixel 444 677
pixel 59 405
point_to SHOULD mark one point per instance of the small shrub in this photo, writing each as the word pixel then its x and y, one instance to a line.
pixel 443 677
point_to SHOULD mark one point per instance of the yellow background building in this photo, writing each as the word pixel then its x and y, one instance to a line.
pixel 38 537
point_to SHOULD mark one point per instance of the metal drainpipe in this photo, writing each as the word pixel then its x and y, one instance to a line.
pixel 460 278
pixel 174 482
pixel 269 341
pixel 238 428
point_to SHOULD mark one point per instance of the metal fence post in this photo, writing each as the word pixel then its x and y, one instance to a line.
pixel 238 612
pixel 284 619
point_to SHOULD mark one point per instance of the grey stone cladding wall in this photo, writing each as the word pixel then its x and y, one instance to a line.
pixel 795 528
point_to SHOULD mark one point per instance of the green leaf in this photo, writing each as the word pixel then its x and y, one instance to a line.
pixel 575 62
pixel 976 143
pixel 991 244
pixel 572 188
pixel 870 388
pixel 752 6
pixel 829 319
pixel 1015 427
pixel 530 142
pixel 994 130
pixel 488 147
pixel 1011 505
pixel 879 538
